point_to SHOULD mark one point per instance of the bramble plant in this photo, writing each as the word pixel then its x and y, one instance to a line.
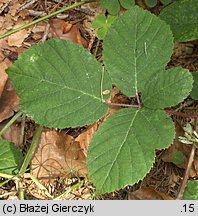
pixel 60 85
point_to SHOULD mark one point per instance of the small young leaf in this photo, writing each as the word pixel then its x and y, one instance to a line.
pixel 123 149
pixel 194 93
pixel 183 19
pixel 11 158
pixel 178 158
pixel 113 6
pixel 127 3
pixel 102 24
pixel 151 3
pixel 166 2
pixel 191 190
pixel 134 49
pixel 167 88
pixel 56 81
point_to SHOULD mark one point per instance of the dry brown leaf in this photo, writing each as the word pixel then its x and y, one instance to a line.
pixel 3 76
pixel 148 194
pixel 58 155
pixel 12 134
pixel 18 38
pixel 85 138
pixel 9 102
pixel 64 30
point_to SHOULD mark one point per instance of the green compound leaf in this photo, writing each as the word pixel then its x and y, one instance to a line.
pixel 191 190
pixel 123 149
pixel 113 6
pixel 194 93
pixel 151 3
pixel 102 24
pixel 58 83
pixel 167 88
pixel 183 19
pixel 11 158
pixel 137 45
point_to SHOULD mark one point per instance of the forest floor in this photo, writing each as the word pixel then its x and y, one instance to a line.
pixel 164 179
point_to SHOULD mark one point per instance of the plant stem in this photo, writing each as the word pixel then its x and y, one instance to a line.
pixel 46 17
pixel 12 120
pixel 186 174
pixel 185 115
pixel 31 150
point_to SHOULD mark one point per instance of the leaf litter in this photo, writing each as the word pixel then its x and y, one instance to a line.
pixel 65 147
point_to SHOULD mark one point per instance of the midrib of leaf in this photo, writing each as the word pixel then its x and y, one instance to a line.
pixel 121 146
pixel 62 86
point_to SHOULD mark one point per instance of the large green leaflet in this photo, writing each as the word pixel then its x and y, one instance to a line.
pixel 158 92
pixel 11 158
pixel 123 149
pixel 136 47
pixel 194 93
pixel 191 190
pixel 183 19
pixel 58 83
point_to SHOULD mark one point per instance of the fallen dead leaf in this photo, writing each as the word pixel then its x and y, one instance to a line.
pixel 3 76
pixel 58 155
pixel 18 38
pixel 64 30
pixel 148 194
pixel 85 138
pixel 9 102
pixel 12 134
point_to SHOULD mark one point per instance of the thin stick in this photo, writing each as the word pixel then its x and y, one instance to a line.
pixel 101 84
pixel 122 105
pixel 45 17
pixel 185 115
pixel 12 120
pixel 138 100
pixel 186 175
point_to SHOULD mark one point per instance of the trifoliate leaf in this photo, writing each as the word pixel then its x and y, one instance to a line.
pixel 167 88
pixel 151 3
pixel 191 190
pixel 183 19
pixel 113 6
pixel 137 45
pixel 58 83
pixel 102 24
pixel 11 158
pixel 194 93
pixel 123 149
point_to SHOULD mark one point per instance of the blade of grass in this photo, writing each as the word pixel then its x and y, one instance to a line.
pixel 12 120
pixel 31 150
pixel 46 17
pixel 41 187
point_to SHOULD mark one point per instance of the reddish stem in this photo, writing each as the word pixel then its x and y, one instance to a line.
pixel 185 115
